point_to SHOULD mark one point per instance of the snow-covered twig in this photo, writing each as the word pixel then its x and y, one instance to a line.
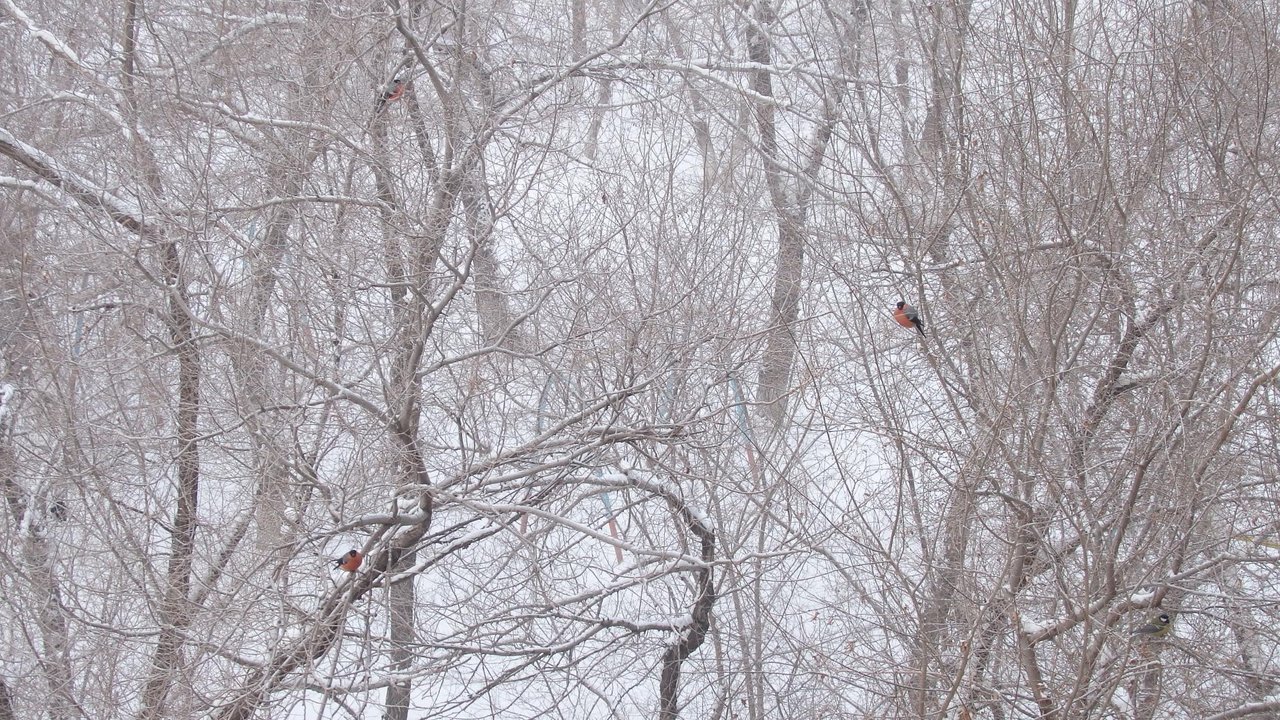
pixel 48 39
pixel 123 212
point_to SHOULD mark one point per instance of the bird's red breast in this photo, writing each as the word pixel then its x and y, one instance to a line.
pixel 907 317
pixel 350 561
pixel 903 319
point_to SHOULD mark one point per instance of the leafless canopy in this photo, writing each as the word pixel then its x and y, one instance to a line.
pixel 575 319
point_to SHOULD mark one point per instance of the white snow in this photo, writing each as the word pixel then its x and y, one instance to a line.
pixel 1034 627
pixel 1141 598
pixel 118 208
pixel 51 41
pixel 16 184
pixel 700 517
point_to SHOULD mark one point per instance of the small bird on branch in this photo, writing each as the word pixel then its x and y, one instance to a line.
pixel 908 317
pixel 350 561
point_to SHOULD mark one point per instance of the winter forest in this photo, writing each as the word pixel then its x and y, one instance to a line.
pixel 575 320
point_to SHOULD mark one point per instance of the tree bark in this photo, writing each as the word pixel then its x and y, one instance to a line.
pixel 692 637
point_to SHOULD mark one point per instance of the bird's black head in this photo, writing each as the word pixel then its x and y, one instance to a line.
pixel 901 303
pixel 1163 618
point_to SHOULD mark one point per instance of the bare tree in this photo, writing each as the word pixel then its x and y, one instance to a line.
pixel 574 319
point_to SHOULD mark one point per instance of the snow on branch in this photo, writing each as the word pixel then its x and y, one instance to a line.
pixel 6 394
pixel 413 517
pixel 695 633
pixel 14 183
pixel 125 213
pixel 1265 707
pixel 51 41
pixel 249 118
pixel 251 25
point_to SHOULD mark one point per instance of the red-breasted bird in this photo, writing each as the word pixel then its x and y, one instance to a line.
pixel 907 317
pixel 350 561
pixel 391 92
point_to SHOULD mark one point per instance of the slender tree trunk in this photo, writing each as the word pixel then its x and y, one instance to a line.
pixel 175 610
pixel 35 551
pixel 6 702
pixel 493 308
pixel 780 343
pixel 267 434
pixel 790 200
pixel 36 555
pixel 692 637
pixel 413 288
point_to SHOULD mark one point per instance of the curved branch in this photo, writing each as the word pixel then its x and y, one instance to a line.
pixel 259 683
pixel 82 189
pixel 46 38
pixel 1268 707
pixel 704 598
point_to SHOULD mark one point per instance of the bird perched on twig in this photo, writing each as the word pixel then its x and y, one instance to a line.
pixel 908 317
pixel 392 91
pixel 350 561
pixel 1156 627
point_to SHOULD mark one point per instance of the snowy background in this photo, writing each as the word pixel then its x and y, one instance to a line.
pixel 575 318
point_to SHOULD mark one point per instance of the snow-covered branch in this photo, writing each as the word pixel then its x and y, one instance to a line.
pixel 123 212
pixel 46 38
